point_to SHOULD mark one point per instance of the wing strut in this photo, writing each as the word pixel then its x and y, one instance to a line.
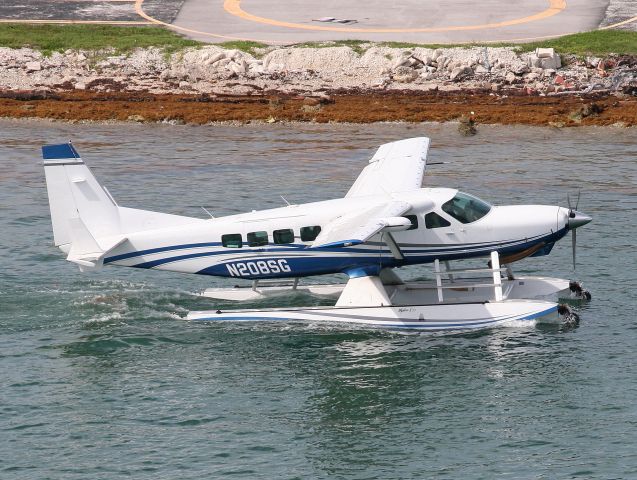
pixel 393 246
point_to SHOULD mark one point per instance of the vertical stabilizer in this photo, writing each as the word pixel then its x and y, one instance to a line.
pixel 74 193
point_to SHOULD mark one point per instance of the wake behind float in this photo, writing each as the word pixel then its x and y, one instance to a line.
pixel 384 222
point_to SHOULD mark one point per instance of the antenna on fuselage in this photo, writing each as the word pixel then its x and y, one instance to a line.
pixel 206 210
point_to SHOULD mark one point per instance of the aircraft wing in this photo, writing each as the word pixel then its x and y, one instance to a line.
pixel 358 227
pixel 395 167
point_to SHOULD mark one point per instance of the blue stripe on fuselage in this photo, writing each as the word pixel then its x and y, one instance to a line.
pixel 406 249
pixel 318 261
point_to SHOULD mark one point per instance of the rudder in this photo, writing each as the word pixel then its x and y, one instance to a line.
pixel 74 193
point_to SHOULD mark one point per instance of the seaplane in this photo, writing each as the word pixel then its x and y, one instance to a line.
pixel 386 221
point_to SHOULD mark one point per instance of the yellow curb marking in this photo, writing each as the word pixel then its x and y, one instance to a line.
pixel 140 11
pixel 234 8
pixel 619 24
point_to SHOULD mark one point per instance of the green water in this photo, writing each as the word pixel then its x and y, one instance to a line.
pixel 101 378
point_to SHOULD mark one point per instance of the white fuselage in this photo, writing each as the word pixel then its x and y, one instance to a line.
pixel 235 246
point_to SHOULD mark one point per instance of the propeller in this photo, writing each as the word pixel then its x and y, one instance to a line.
pixel 574 222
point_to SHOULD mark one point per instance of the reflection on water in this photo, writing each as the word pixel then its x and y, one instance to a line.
pixel 104 378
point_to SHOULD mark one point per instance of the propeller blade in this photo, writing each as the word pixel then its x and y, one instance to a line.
pixel 579 192
pixel 574 244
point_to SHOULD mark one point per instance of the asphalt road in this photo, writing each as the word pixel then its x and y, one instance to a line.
pixel 105 11
pixel 423 21
pixel 295 21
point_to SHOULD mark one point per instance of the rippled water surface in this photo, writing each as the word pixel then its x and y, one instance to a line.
pixel 101 378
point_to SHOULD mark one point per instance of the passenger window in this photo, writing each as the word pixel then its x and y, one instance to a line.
pixel 283 236
pixel 257 239
pixel 309 234
pixel 232 240
pixel 433 220
pixel 414 221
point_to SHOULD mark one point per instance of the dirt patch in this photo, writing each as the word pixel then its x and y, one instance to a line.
pixel 359 107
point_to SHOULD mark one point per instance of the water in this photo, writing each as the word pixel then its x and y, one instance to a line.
pixel 101 378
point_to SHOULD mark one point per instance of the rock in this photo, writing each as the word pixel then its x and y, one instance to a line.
pixel 81 57
pixel 405 75
pixel 459 73
pixel 531 77
pixel 222 63
pixel 545 58
pixel 33 66
pixel 401 61
pixel 545 52
pixel 184 85
pixel 310 101
pixel 593 62
pixel 216 58
pixel 534 61
pixel 466 126
pixel 135 118
pixel 552 62
pixel 239 69
pixel 480 69
pixel 592 109
pixel 310 108
pixel 80 86
pixel 510 77
pixel 559 80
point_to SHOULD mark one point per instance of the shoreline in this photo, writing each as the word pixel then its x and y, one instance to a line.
pixel 505 108
pixel 343 83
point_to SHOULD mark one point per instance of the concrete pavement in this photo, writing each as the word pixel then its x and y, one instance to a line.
pixel 439 21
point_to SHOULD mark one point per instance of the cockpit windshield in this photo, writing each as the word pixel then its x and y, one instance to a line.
pixel 466 208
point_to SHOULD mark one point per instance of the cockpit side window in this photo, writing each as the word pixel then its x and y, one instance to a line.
pixel 433 220
pixel 466 208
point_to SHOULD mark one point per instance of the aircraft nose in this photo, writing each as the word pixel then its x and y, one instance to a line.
pixel 577 219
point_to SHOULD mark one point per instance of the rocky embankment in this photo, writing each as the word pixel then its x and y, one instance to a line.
pixel 312 76
pixel 310 70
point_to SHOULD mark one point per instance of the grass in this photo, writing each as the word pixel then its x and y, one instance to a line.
pixel 244 46
pixel 58 38
pixel 595 42
pixel 52 38
pixel 359 46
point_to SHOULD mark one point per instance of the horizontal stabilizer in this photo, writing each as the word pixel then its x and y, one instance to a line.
pixel 358 227
pixel 85 250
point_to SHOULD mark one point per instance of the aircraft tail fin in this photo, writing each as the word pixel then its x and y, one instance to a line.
pixel 74 193
pixel 87 222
